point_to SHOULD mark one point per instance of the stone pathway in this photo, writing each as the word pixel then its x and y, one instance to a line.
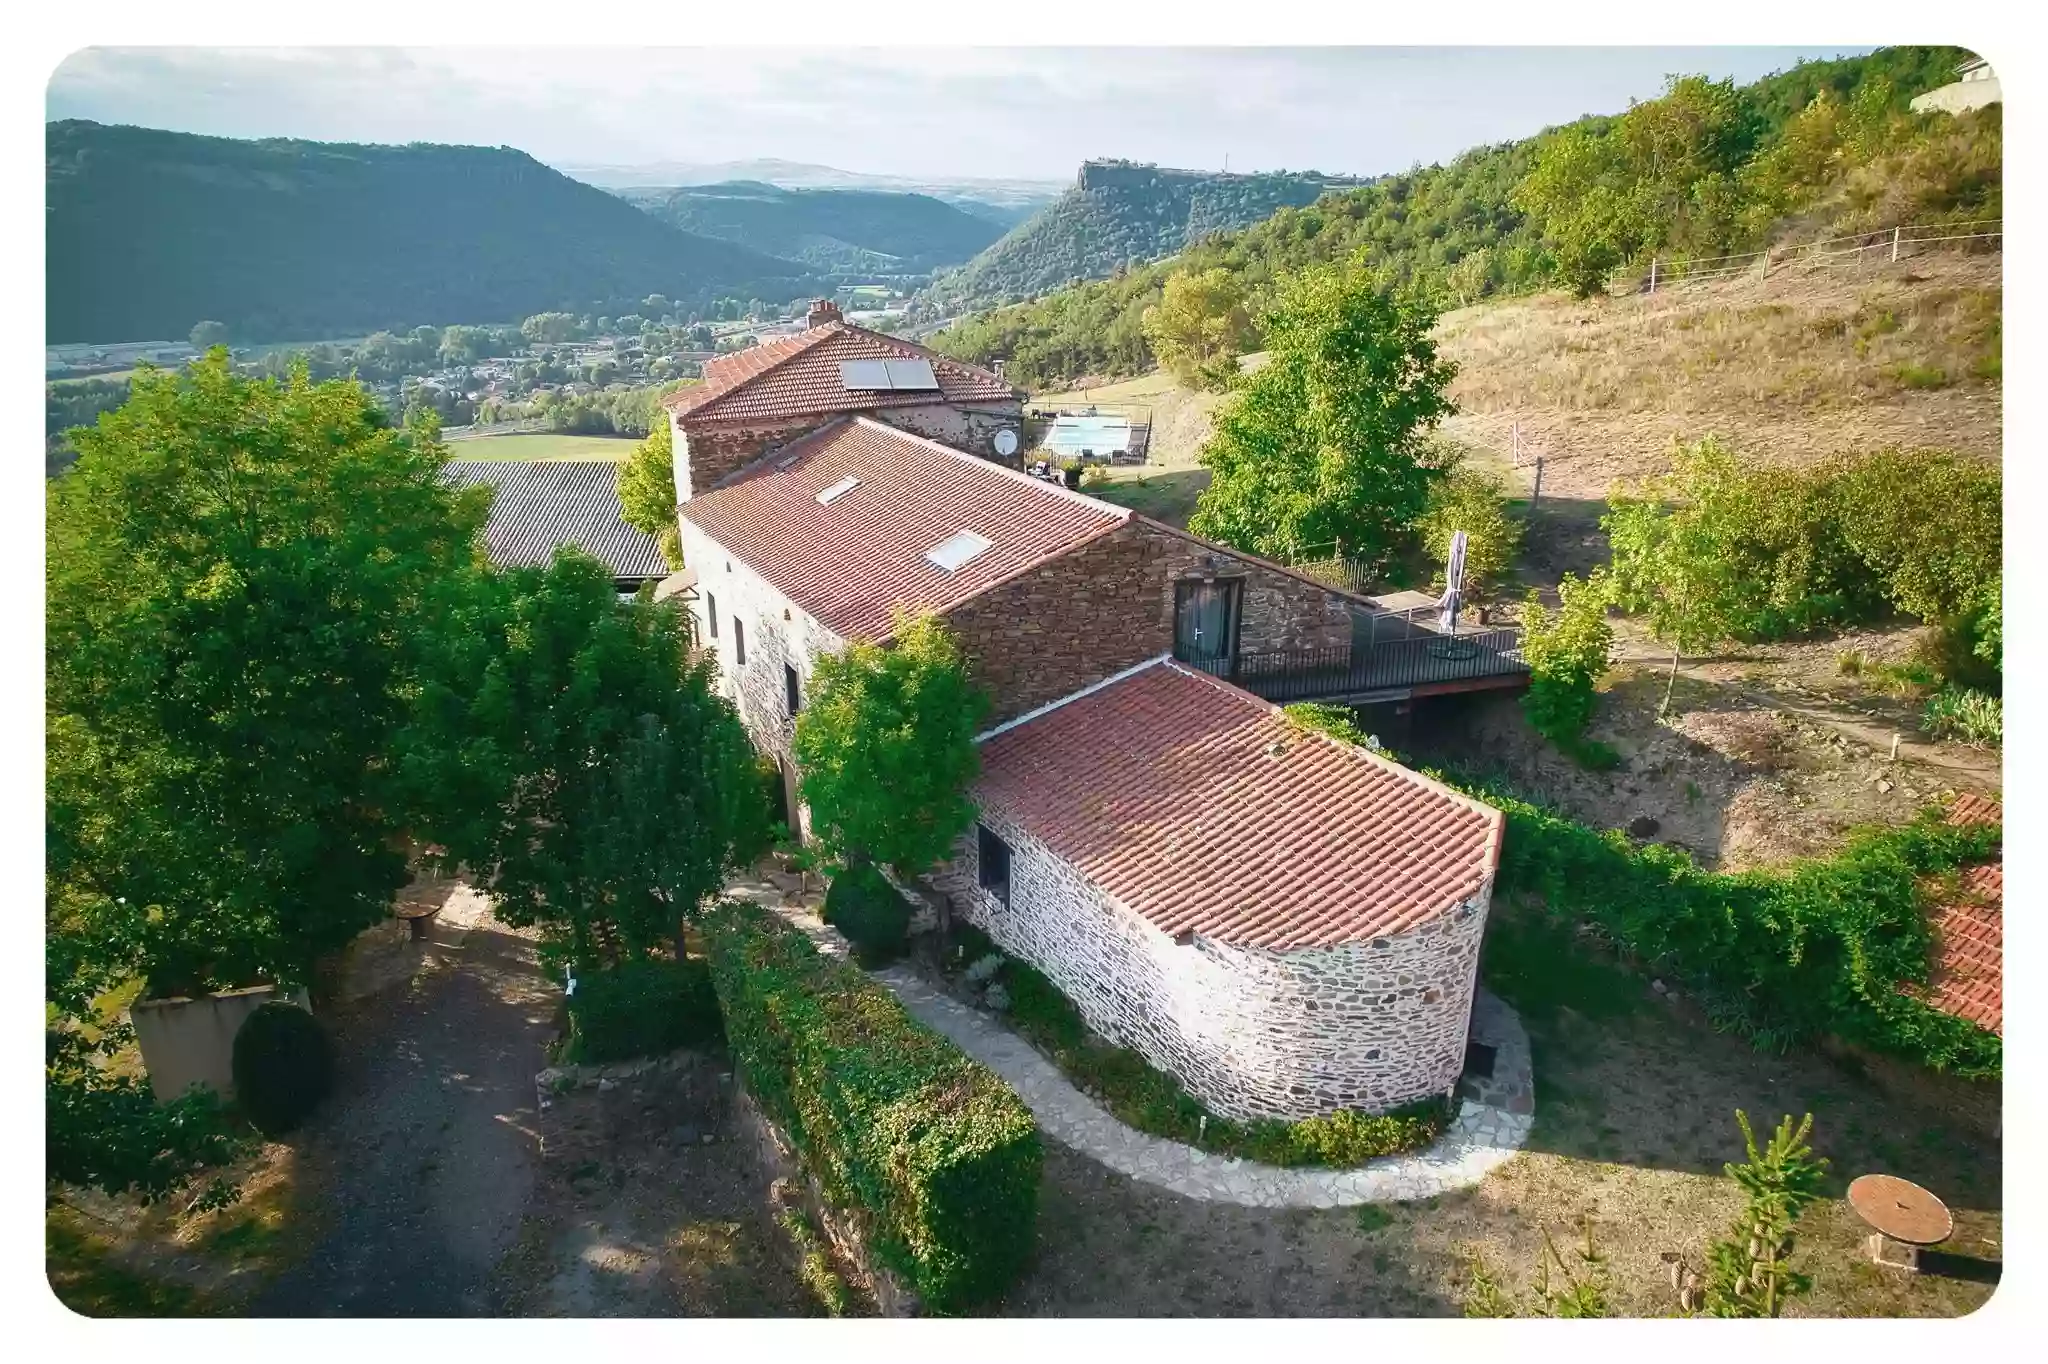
pixel 1492 1124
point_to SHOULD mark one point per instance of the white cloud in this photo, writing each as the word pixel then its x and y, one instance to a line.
pixel 986 111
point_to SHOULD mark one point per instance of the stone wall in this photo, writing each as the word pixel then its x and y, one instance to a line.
pixel 972 429
pixel 847 1230
pixel 706 453
pixel 1109 605
pixel 777 633
pixel 1251 1033
pixel 186 1042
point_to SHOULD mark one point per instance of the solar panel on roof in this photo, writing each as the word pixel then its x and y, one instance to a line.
pixel 864 374
pixel 911 374
pixel 957 549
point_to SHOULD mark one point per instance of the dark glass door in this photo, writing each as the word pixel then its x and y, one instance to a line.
pixel 1205 624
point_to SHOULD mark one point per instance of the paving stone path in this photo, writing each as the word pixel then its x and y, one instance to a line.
pixel 1492 1124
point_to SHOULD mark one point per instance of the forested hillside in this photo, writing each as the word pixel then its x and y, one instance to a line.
pixel 833 229
pixel 1710 167
pixel 1116 214
pixel 151 231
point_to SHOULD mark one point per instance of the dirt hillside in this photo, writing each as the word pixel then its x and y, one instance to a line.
pixel 1791 367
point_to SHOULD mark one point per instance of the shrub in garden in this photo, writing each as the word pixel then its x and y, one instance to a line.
pixel 871 913
pixel 1472 499
pixel 641 1008
pixel 938 1157
pixel 1971 716
pixel 1566 651
pixel 283 1067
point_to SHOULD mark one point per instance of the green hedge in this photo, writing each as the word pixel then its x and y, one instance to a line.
pixel 892 1119
pixel 872 914
pixel 1781 955
pixel 641 1008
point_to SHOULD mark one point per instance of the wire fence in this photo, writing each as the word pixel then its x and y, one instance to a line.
pixel 1887 244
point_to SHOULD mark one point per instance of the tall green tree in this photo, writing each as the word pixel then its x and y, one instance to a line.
pixel 886 748
pixel 206 335
pixel 240 576
pixel 647 489
pixel 1325 442
pixel 572 754
pixel 1199 327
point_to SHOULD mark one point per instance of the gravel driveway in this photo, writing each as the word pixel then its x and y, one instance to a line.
pixel 423 1159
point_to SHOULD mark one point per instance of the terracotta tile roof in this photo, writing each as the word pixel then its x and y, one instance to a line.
pixel 851 562
pixel 1165 788
pixel 1967 975
pixel 798 376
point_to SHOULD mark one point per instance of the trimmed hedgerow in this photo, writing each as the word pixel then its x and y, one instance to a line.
pixel 1150 1100
pixel 1781 955
pixel 642 1008
pixel 939 1156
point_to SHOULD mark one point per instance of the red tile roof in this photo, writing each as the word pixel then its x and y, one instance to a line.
pixel 1204 810
pixel 850 563
pixel 1967 975
pixel 798 376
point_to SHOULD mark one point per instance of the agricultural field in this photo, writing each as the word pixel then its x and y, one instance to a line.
pixel 543 446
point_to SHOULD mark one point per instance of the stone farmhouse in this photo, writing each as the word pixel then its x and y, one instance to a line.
pixel 758 400
pixel 1288 925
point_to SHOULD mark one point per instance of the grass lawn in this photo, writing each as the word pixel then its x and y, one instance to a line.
pixel 544 445
pixel 86 1279
pixel 1164 494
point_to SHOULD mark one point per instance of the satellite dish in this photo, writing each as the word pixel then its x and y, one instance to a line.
pixel 1006 442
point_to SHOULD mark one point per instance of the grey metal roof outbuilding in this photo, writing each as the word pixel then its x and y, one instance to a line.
pixel 544 504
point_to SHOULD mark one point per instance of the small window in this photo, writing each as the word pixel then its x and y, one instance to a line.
pixel 791 690
pixel 994 857
pixel 711 612
pixel 739 642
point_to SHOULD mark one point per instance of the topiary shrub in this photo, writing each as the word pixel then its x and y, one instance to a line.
pixel 871 913
pixel 940 1157
pixel 283 1067
pixel 641 1008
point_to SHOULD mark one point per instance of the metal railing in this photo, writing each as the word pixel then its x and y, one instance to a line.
pixel 1344 670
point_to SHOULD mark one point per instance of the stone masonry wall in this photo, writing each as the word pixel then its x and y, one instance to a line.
pixel 1109 605
pixel 706 453
pixel 1252 1034
pixel 964 428
pixel 777 632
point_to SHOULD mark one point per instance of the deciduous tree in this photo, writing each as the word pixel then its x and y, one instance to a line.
pixel 1199 327
pixel 239 578
pixel 570 751
pixel 886 748
pixel 647 489
pixel 1325 442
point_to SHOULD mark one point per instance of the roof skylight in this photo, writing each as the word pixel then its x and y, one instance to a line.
pixel 838 490
pixel 957 549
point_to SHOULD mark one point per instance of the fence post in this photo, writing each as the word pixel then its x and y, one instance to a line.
pixel 1536 493
pixel 1895 243
pixel 1653 274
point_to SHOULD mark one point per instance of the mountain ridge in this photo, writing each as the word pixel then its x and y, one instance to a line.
pixel 282 238
pixel 1118 214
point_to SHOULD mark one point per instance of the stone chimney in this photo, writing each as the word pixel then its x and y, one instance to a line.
pixel 997 366
pixel 823 310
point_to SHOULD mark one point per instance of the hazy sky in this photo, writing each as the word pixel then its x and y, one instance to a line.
pixel 1015 112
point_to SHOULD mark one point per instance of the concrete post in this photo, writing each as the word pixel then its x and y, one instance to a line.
pixel 1895 244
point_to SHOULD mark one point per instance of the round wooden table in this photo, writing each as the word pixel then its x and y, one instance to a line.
pixel 1903 1215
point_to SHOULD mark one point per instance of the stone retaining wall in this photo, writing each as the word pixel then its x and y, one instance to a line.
pixel 845 1230
pixel 1251 1033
